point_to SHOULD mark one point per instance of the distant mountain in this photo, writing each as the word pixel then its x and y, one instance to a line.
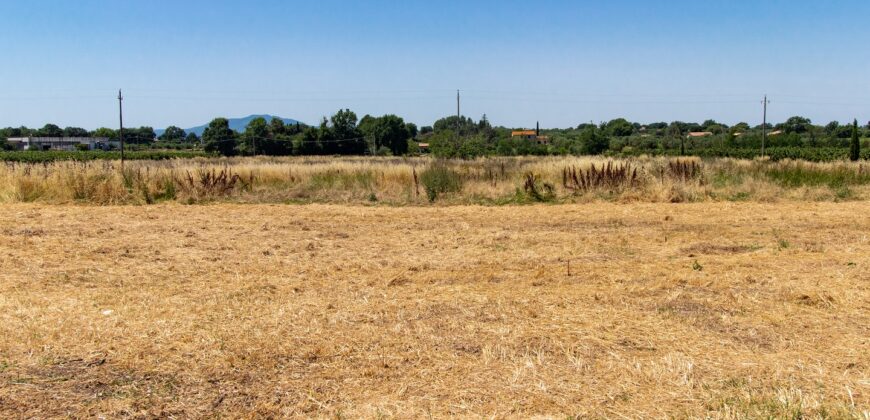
pixel 237 124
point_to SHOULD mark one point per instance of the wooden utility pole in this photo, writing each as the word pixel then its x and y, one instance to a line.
pixel 458 115
pixel 764 125
pixel 121 126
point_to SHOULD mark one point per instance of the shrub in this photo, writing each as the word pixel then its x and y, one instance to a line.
pixel 439 179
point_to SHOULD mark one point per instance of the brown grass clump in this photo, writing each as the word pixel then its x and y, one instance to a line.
pixel 602 310
pixel 609 177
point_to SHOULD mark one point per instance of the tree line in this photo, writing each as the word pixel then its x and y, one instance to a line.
pixel 460 136
pixel 341 134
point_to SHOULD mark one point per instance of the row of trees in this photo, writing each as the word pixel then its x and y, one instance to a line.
pixel 341 134
pixel 141 135
pixel 459 136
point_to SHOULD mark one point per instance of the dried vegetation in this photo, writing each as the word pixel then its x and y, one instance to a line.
pixel 709 310
pixel 422 181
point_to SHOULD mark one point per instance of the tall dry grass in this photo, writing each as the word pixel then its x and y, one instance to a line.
pixel 402 181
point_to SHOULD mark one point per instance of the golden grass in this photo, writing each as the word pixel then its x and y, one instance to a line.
pixel 721 310
pixel 392 181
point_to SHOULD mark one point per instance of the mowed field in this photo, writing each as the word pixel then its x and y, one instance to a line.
pixel 732 310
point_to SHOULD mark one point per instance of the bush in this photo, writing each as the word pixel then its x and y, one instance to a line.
pixel 439 179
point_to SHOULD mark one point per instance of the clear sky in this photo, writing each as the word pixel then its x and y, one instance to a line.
pixel 557 62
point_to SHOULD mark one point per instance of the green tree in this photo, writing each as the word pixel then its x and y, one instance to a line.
pixel 49 130
pixel 855 146
pixel 308 143
pixel 172 133
pixel 797 125
pixel 256 134
pixel 341 135
pixel 388 131
pixel 466 125
pixel 619 127
pixel 218 137
pixel 139 135
pixel 412 130
pixel 277 126
pixel 104 132
pixel 191 138
pixel 75 132
pixel 740 127
pixel 594 142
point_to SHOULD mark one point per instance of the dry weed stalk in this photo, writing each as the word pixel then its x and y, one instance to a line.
pixel 609 177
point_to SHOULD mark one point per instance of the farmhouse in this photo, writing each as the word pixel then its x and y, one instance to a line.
pixel 531 135
pixel 62 143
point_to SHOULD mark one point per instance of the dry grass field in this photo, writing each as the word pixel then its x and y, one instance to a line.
pixel 715 309
pixel 422 180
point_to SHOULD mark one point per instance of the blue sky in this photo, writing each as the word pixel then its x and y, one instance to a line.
pixel 557 62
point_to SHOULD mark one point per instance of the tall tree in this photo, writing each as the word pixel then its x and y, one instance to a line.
pixel 855 146
pixel 388 132
pixel 256 134
pixel 218 137
pixel 344 137
pixel 173 133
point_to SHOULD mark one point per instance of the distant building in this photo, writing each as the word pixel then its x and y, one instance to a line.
pixel 774 133
pixel 699 134
pixel 62 143
pixel 424 147
pixel 531 135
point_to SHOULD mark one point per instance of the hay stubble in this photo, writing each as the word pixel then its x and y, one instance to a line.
pixel 325 310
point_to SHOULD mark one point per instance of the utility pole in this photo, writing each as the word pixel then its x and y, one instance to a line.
pixel 764 125
pixel 458 115
pixel 121 126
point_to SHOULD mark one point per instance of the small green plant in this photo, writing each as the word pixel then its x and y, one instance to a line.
pixel 697 266
pixel 439 179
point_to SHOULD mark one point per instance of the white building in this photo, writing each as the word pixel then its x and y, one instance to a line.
pixel 62 143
